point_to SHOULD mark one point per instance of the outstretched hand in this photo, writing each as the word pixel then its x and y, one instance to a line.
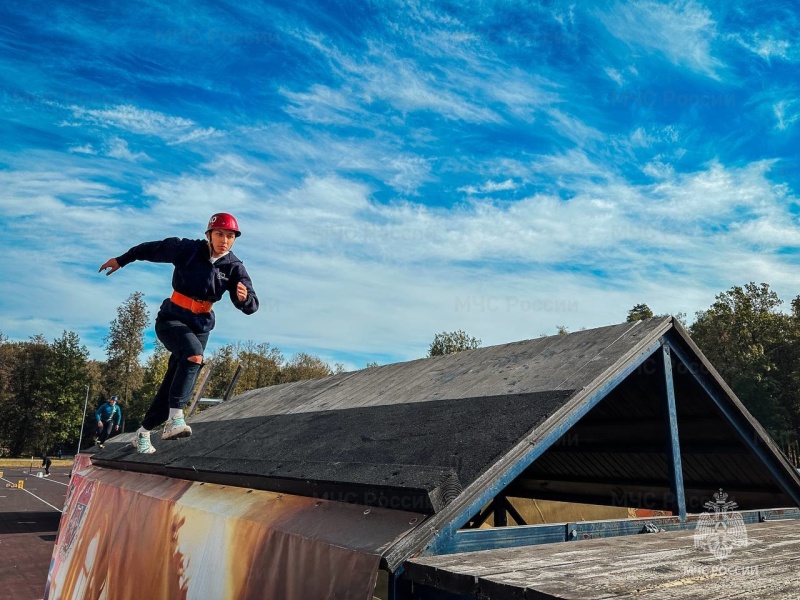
pixel 111 264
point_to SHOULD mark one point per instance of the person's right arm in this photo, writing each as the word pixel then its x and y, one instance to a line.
pixel 163 251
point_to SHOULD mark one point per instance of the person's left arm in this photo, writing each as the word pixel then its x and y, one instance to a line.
pixel 98 415
pixel 242 293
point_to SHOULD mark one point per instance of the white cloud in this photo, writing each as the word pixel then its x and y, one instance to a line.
pixel 615 76
pixel 565 18
pixel 205 196
pixel 42 195
pixel 682 31
pixel 489 187
pixel 339 272
pixel 786 114
pixel 118 148
pixel 714 195
pixel 175 130
pixel 326 106
pixel 644 137
pixel 574 162
pixel 194 135
pixel 771 231
pixel 134 119
pixel 573 128
pixel 84 149
pixel 539 229
pixel 396 264
pixel 380 156
pixel 452 77
pixel 769 47
pixel 658 169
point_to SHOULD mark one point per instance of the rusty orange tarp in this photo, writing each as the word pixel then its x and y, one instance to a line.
pixel 133 535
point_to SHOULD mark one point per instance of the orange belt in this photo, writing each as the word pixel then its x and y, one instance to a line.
pixel 196 306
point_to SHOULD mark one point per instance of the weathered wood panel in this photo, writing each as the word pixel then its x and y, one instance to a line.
pixel 543 364
pixel 648 566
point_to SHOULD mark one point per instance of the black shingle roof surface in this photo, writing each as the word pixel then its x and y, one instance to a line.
pixel 408 435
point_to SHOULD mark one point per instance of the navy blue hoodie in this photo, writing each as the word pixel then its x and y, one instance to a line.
pixel 195 276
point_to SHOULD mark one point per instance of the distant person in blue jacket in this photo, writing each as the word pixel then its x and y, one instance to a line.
pixel 203 271
pixel 108 417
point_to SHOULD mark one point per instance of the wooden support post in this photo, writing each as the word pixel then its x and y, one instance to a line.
pixel 480 519
pixel 399 588
pixel 673 441
pixel 232 384
pixel 201 388
pixel 500 514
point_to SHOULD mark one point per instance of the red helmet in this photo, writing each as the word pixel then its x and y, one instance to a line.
pixel 223 221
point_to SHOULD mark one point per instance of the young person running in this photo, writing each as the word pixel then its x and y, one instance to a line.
pixel 108 417
pixel 204 271
pixel 46 462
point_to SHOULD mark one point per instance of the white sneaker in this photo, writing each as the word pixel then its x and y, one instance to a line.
pixel 176 428
pixel 142 444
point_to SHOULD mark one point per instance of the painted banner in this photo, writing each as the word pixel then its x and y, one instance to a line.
pixel 126 535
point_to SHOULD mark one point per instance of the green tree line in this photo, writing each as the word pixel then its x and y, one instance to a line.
pixel 44 386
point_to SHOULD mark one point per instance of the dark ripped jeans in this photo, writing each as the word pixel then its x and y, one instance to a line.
pixel 104 432
pixel 176 388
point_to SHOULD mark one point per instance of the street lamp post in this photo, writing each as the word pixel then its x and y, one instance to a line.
pixel 85 404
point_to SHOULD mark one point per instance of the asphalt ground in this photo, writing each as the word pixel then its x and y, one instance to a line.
pixel 29 518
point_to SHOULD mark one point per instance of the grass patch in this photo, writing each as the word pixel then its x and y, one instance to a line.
pixel 26 462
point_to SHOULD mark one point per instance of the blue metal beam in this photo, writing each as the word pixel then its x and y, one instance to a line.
pixel 443 541
pixel 747 432
pixel 673 441
pixel 472 540
pixel 399 589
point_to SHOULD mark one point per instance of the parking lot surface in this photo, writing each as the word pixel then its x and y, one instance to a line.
pixel 29 518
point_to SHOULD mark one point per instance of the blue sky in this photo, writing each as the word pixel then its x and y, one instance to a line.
pixel 399 168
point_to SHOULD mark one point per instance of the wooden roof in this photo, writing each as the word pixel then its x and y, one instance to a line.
pixel 444 435
pixel 409 435
pixel 646 567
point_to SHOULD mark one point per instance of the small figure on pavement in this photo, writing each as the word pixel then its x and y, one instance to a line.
pixel 203 271
pixel 46 462
pixel 108 417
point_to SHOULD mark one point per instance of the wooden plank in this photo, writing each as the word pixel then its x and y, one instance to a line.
pixel 648 566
